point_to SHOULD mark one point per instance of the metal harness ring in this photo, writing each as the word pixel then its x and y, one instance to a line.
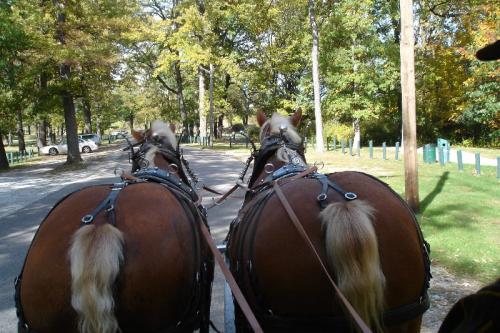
pixel 350 195
pixel 322 197
pixel 87 219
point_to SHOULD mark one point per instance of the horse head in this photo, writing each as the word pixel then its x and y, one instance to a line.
pixel 280 144
pixel 158 149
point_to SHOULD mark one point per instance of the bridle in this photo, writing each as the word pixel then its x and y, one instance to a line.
pixel 175 157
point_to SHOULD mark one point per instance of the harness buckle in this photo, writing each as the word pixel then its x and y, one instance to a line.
pixel 110 208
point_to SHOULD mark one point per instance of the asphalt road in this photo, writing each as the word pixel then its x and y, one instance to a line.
pixel 27 195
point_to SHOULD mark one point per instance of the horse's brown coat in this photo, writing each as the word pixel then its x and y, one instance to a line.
pixel 155 284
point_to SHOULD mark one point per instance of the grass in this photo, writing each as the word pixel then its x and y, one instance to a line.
pixel 459 210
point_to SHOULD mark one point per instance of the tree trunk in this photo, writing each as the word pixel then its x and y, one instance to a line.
pixel 131 122
pixel 70 121
pixel 408 103
pixel 20 132
pixel 357 134
pixel 212 127
pixel 4 162
pixel 42 134
pixel 180 97
pixel 10 141
pixel 98 129
pixel 87 116
pixel 201 104
pixel 315 73
pixel 220 126
pixel 73 156
pixel 42 123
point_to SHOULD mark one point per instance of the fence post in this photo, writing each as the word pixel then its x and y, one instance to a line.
pixel 370 143
pixel 460 161
pixel 342 145
pixel 441 156
pixel 384 150
pixel 478 164
pixel 397 151
pixel 350 147
pixel 498 167
pixel 230 142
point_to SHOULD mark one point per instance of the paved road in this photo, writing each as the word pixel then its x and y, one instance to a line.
pixel 27 195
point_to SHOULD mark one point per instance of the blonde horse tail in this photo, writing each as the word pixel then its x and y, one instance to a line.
pixel 352 253
pixel 95 255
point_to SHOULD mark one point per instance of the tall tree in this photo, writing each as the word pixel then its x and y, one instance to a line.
pixel 316 83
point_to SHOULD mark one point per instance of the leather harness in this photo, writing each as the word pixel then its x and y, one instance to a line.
pixel 189 200
pixel 269 186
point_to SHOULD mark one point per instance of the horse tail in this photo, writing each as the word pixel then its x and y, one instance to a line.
pixel 352 253
pixel 95 255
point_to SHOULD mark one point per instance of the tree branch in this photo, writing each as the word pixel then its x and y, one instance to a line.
pixel 164 84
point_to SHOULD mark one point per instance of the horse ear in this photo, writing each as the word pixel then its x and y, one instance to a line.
pixel 261 117
pixel 296 117
pixel 138 135
pixel 172 127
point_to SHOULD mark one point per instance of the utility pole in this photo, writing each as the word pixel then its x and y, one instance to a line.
pixel 408 104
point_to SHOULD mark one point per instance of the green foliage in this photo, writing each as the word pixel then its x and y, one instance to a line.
pixel 141 59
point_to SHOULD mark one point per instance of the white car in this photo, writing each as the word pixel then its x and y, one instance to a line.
pixel 86 146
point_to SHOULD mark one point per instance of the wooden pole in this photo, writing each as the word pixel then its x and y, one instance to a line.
pixel 408 104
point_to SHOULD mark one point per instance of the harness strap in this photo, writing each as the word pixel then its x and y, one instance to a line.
pixel 108 204
pixel 327 183
pixel 238 295
pixel 359 322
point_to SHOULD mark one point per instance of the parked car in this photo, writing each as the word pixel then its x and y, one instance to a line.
pixel 86 146
pixel 119 133
pixel 94 137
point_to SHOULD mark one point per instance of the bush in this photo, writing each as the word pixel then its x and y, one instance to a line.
pixel 340 130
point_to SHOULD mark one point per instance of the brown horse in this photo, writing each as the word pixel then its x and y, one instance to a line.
pixel 124 258
pixel 367 237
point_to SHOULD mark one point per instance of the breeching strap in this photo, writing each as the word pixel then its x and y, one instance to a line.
pixel 361 324
pixel 238 295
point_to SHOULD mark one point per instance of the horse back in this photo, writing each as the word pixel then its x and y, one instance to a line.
pixel 281 277
pixel 162 255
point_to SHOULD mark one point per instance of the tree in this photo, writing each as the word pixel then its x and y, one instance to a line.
pixel 316 84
